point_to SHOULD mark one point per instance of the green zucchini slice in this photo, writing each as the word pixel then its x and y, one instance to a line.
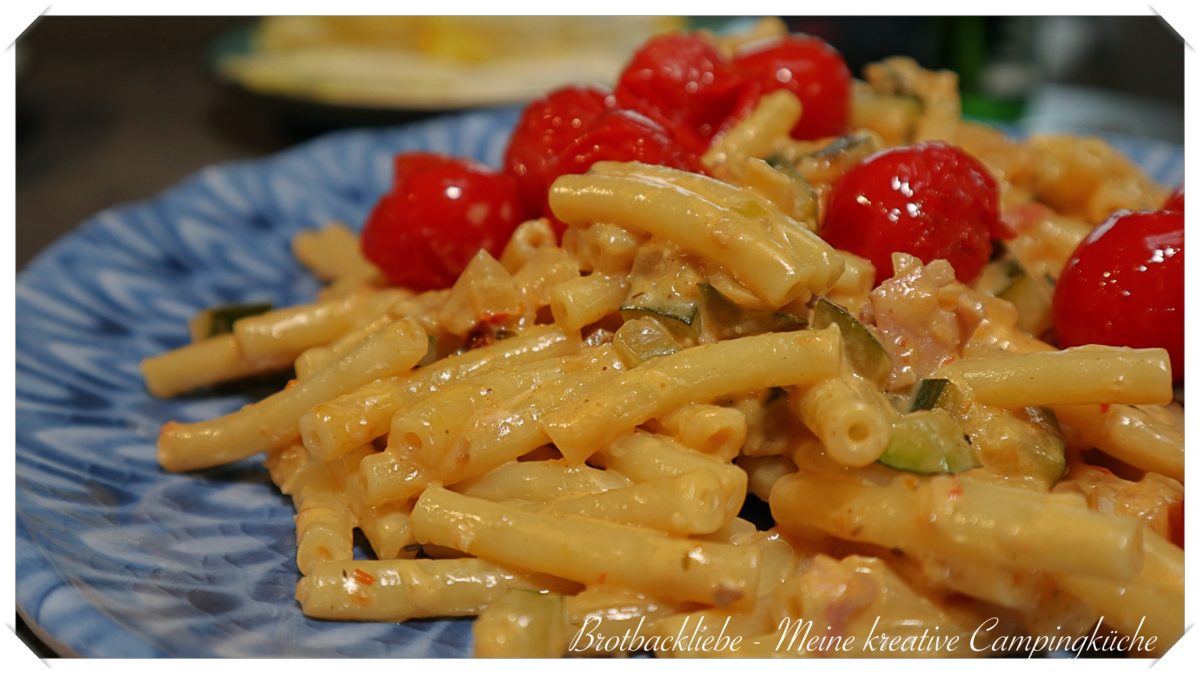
pixel 866 354
pixel 219 320
pixel 929 442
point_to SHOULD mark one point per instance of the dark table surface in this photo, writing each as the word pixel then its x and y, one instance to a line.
pixel 112 109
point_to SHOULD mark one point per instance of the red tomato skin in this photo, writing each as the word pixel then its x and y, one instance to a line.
pixel 931 200
pixel 683 83
pixel 1123 286
pixel 1175 201
pixel 546 126
pixel 438 214
pixel 809 68
pixel 622 135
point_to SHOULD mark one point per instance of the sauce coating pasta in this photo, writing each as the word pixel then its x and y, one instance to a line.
pixel 563 442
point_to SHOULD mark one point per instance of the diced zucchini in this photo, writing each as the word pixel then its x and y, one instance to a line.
pixel 1004 277
pixel 1046 445
pixel 1024 445
pixel 927 394
pixel 730 320
pixel 808 202
pixel 683 312
pixel 929 442
pixel 1033 303
pixel 848 143
pixel 865 352
pixel 939 393
pixel 640 339
pixel 219 320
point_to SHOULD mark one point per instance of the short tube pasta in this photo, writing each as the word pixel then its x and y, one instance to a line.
pixel 350 420
pixel 756 135
pixel 586 299
pixel 493 437
pixel 540 481
pixel 1008 525
pixel 522 624
pixel 1091 374
pixel 645 457
pixel 770 268
pixel 588 551
pixel 698 374
pixel 403 589
pixel 290 331
pixel 1154 596
pixel 852 420
pixel 692 503
pixel 213 361
pixel 324 523
pixel 240 434
pixel 428 429
pixel 330 253
pixel 1129 434
pixel 711 429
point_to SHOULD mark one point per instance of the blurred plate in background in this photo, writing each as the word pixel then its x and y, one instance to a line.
pixel 426 63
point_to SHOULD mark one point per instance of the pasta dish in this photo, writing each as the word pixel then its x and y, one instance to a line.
pixel 551 395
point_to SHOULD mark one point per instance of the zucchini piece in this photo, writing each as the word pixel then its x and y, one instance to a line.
pixel 1032 300
pixel 219 320
pixel 927 394
pixel 684 313
pixel 843 144
pixel 807 200
pixel 730 320
pixel 1023 445
pixel 640 339
pixel 929 442
pixel 1046 445
pixel 865 352
pixel 1006 278
pixel 939 393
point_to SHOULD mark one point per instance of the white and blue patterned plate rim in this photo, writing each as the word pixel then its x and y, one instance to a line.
pixel 118 559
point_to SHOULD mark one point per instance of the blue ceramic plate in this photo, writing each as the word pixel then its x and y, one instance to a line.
pixel 116 558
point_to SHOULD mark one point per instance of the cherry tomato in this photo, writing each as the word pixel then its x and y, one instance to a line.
pixel 682 82
pixel 622 135
pixel 546 127
pixel 1123 286
pixel 806 66
pixel 438 214
pixel 1175 201
pixel 931 200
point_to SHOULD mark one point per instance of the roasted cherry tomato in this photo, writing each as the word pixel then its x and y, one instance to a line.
pixel 1175 201
pixel 682 82
pixel 547 126
pixel 438 214
pixel 806 66
pixel 1123 286
pixel 931 200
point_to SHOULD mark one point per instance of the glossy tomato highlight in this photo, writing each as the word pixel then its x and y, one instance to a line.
pixel 932 200
pixel 438 214
pixel 1123 286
